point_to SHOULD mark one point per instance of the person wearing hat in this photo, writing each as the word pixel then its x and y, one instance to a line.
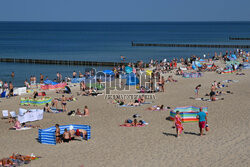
pixel 202 116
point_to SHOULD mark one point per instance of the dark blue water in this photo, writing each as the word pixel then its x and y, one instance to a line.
pixel 105 41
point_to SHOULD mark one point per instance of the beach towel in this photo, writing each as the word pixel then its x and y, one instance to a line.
pixel 54 110
pixel 125 105
pixel 128 125
pixel 164 109
pixel 147 102
pixel 24 128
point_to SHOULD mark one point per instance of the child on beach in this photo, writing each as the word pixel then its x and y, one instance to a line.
pixel 197 90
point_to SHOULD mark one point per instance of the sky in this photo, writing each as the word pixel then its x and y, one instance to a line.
pixel 124 10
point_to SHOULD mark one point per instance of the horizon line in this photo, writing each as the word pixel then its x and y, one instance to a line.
pixel 121 21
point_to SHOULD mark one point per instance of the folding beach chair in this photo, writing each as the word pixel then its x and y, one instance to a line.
pixel 22 111
pixel 13 114
pixel 5 114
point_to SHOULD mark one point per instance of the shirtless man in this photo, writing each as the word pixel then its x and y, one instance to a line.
pixel 41 78
pixel 57 133
pixel 72 133
pixel 74 74
pixel 64 100
pixel 86 111
pixel 12 75
pixel 66 136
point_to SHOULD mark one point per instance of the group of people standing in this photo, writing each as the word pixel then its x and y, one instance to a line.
pixel 202 119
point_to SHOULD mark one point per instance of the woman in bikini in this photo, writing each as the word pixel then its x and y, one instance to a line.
pixel 57 133
pixel 178 123
pixel 64 103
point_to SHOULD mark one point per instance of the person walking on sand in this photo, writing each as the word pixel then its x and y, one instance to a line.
pixel 178 123
pixel 197 90
pixel 202 116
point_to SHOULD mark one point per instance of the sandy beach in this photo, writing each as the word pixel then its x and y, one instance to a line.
pixel 226 144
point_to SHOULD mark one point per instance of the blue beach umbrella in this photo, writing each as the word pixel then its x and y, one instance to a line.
pixel 108 72
pixel 128 69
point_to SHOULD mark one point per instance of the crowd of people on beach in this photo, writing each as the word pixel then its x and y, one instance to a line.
pixel 69 135
pixel 156 83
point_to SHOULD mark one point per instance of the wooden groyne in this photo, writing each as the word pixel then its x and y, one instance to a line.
pixel 236 38
pixel 191 45
pixel 62 62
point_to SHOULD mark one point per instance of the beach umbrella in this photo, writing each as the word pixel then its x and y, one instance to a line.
pixel 149 72
pixel 108 72
pixel 128 69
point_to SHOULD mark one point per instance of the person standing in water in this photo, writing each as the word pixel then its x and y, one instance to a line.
pixel 13 76
pixel 74 74
pixel 41 78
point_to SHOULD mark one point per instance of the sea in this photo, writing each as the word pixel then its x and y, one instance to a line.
pixel 105 41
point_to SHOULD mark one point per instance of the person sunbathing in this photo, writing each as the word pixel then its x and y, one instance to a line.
pixel 159 107
pixel 136 103
pixel 129 122
pixel 86 92
pixel 170 79
pixel 17 124
pixel 219 85
pixel 71 98
pixel 120 102
pixel 81 132
pixel 31 126
pixel 141 100
pixel 47 108
pixel 135 123
pixel 6 162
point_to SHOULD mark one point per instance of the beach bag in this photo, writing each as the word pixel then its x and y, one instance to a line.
pixel 71 112
pixel 129 121
pixel 207 128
